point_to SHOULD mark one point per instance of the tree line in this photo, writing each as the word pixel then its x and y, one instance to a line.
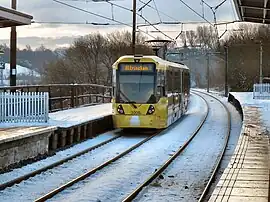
pixel 89 58
pixel 243 54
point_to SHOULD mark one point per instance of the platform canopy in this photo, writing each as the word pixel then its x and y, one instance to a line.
pixel 257 11
pixel 10 17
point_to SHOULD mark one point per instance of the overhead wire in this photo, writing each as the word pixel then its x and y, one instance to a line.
pixel 159 11
pixel 110 1
pixel 98 15
pixel 140 15
pixel 196 12
pixel 145 4
pixel 235 15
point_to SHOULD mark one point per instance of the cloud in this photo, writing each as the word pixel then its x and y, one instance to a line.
pixel 50 11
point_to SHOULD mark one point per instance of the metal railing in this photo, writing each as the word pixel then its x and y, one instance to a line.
pixel 261 91
pixel 65 96
pixel 24 107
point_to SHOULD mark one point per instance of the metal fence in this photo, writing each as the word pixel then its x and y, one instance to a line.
pixel 261 91
pixel 65 96
pixel 24 107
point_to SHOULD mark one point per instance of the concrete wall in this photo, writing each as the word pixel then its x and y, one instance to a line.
pixel 22 149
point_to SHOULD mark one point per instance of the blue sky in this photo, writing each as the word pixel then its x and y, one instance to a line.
pixel 61 35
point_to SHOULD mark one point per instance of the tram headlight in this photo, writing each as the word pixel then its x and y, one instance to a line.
pixel 150 110
pixel 120 109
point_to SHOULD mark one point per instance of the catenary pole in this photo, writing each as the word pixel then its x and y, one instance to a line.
pixel 134 28
pixel 13 49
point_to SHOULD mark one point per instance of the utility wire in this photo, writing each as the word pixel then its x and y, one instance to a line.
pixel 129 23
pixel 141 16
pixel 79 23
pixel 145 4
pixel 98 15
pixel 125 8
pixel 235 15
pixel 196 12
pixel 158 11
pixel 89 1
pixel 156 27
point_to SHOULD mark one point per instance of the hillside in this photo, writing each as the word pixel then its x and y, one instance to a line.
pixel 33 59
pixel 24 75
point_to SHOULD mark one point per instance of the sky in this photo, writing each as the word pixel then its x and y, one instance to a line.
pixel 54 35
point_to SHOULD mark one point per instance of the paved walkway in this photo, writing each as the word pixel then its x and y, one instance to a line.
pixel 247 176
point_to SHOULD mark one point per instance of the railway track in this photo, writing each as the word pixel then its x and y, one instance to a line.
pixel 208 185
pixel 55 164
pixel 162 168
pixel 151 178
pixel 92 171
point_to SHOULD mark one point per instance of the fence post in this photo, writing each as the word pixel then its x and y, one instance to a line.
pixel 72 96
pixel 97 93
pixel 50 101
pixel 103 94
pixel 76 95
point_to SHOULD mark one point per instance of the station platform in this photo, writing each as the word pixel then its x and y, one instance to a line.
pixel 67 118
pixel 21 141
pixel 246 177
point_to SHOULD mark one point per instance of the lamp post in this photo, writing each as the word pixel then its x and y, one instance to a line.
pixel 13 50
pixel 226 70
pixel 208 72
pixel 134 28
pixel 2 67
pixel 261 61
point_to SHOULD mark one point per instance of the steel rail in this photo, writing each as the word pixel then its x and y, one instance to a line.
pixel 92 171
pixel 132 195
pixel 208 185
pixel 36 172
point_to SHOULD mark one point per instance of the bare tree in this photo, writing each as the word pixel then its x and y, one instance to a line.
pixel 244 56
pixel 90 58
pixel 183 38
pixel 191 37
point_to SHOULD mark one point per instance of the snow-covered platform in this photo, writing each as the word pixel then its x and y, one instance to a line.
pixel 247 176
pixel 20 141
pixel 70 117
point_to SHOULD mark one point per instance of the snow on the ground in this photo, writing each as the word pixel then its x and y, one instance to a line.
pixel 185 178
pixel 45 182
pixel 20 70
pixel 58 156
pixel 236 126
pixel 114 182
pixel 76 116
pixel 70 117
pixel 246 100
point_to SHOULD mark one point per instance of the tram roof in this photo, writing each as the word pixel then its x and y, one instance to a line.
pixel 11 17
pixel 257 11
pixel 154 58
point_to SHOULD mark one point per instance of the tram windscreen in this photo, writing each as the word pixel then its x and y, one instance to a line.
pixel 136 83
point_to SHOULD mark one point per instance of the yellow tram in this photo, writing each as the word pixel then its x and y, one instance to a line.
pixel 148 92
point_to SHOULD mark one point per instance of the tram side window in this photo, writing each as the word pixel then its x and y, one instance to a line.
pixel 169 79
pixel 160 84
pixel 186 81
pixel 177 81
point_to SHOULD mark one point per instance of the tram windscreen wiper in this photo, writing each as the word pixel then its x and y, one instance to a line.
pixel 128 100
